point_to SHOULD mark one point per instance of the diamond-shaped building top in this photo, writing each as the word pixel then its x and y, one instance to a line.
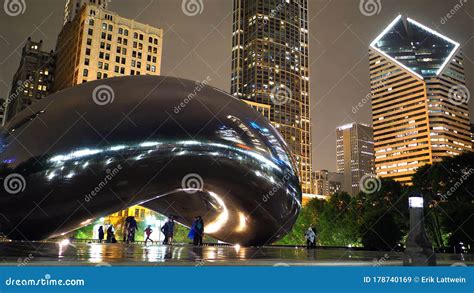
pixel 415 47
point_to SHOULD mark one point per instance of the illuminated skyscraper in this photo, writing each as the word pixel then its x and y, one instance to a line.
pixel 270 66
pixel 73 7
pixel 354 154
pixel 32 81
pixel 99 44
pixel 418 110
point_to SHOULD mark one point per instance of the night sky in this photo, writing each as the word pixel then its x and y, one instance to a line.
pixel 197 47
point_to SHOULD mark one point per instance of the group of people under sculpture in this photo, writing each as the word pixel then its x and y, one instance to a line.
pixel 195 233
pixel 131 227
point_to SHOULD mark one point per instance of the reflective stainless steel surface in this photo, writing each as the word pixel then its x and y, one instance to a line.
pixel 96 254
pixel 175 146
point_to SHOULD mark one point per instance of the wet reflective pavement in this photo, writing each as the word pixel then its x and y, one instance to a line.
pixel 96 254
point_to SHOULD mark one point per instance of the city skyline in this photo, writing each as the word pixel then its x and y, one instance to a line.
pixel 336 90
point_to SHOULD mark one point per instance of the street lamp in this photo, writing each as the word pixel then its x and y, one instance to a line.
pixel 419 250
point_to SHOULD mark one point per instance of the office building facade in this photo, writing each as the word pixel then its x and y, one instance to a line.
pixel 32 81
pixel 416 77
pixel 99 44
pixel 270 66
pixel 327 183
pixel 354 154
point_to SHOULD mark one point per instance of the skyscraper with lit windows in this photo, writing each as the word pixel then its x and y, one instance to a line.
pixel 418 110
pixel 354 154
pixel 270 66
pixel 98 44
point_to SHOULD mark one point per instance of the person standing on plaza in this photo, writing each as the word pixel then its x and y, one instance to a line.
pixel 101 234
pixel 110 234
pixel 310 238
pixel 170 230
pixel 197 231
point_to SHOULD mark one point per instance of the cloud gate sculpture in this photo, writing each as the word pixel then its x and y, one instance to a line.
pixel 178 147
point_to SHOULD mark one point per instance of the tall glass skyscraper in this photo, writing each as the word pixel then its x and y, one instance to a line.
pixel 354 154
pixel 419 117
pixel 270 66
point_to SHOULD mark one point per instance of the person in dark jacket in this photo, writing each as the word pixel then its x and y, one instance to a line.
pixel 101 234
pixel 132 228
pixel 168 231
pixel 110 234
pixel 197 230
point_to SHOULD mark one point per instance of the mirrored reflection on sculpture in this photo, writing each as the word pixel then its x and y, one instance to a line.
pixel 178 147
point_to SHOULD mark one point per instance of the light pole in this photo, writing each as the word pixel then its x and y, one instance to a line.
pixel 419 250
